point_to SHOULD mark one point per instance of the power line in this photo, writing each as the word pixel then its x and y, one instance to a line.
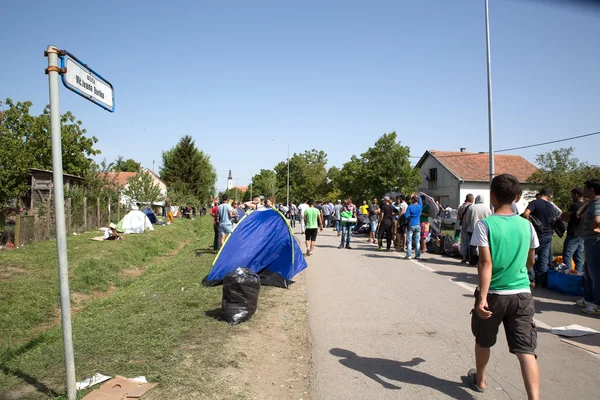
pixel 532 145
pixel 551 142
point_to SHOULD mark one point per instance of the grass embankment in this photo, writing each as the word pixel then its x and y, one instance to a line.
pixel 139 309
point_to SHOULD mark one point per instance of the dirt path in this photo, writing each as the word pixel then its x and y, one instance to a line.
pixel 273 347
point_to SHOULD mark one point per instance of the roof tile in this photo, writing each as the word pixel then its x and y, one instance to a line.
pixel 476 166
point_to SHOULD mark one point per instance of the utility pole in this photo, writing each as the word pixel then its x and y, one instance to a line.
pixel 489 90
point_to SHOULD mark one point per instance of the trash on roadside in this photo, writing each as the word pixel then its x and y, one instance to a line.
pixel 573 331
pixel 121 388
pixel 240 295
pixel 89 382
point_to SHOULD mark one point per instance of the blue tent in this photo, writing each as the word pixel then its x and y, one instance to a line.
pixel 150 214
pixel 264 243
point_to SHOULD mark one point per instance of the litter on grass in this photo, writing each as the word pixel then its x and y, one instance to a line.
pixel 121 388
pixel 89 382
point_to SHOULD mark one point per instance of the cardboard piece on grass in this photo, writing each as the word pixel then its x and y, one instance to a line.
pixel 590 343
pixel 120 388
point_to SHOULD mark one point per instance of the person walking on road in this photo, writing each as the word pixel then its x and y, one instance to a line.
pixel 401 224
pixel 337 214
pixel 225 212
pixel 460 218
pixel 373 219
pixel 215 215
pixel 314 222
pixel 326 214
pixel 292 214
pixel 573 246
pixel 591 244
pixel 413 215
pixel 506 245
pixel 386 221
pixel 348 212
pixel 472 216
pixel 301 209
pixel 424 222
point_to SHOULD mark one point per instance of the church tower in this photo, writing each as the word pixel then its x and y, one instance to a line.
pixel 229 181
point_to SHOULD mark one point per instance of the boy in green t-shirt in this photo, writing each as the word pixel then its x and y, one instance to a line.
pixel 314 222
pixel 507 246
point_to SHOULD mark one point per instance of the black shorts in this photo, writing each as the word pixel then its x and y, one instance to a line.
pixel 311 234
pixel 516 312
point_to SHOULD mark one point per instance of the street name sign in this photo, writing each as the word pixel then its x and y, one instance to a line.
pixel 87 83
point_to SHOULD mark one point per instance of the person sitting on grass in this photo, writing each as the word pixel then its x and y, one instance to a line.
pixel 111 233
pixel 507 246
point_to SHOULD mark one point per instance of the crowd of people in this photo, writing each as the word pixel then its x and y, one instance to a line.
pixel 512 251
pixel 402 224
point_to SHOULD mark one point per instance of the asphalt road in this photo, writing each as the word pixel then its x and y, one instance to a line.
pixel 385 328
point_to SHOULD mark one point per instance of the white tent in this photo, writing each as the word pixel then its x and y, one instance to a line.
pixel 134 222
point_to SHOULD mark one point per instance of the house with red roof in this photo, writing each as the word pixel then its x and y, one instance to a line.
pixel 120 179
pixel 448 176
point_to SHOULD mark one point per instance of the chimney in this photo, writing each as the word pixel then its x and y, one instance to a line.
pixel 463 149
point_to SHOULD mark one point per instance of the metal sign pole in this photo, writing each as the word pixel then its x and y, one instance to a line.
pixel 59 209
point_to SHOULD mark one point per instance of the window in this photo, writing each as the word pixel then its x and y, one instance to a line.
pixel 433 174
pixel 432 184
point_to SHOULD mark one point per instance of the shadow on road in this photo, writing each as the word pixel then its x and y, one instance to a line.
pixel 375 368
pixel 461 276
pixel 382 255
pixel 452 262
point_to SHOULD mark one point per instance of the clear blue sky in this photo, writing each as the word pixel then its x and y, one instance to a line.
pixel 331 75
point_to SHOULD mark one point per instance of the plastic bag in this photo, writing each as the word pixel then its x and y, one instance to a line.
pixel 240 295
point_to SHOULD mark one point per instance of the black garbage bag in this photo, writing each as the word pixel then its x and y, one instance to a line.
pixel 240 295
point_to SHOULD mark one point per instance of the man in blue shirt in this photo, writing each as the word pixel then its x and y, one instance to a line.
pixel 225 214
pixel 413 216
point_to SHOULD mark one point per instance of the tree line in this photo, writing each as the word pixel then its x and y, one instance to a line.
pixel 187 171
pixel 382 168
pixel 25 143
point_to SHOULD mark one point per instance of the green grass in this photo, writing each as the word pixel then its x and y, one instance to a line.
pixel 149 326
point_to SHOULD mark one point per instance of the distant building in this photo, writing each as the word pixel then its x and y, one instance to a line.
pixel 231 187
pixel 120 179
pixel 41 185
pixel 448 176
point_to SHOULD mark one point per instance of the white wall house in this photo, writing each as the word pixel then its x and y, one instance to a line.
pixel 120 178
pixel 448 176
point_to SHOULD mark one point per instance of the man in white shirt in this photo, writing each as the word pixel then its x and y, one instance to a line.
pixel 301 208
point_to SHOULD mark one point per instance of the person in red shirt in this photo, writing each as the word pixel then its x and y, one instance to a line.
pixel 214 213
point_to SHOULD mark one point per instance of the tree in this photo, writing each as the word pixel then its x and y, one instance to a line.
pixel 25 142
pixel 188 171
pixel 234 194
pixel 561 171
pixel 382 168
pixel 334 191
pixel 141 188
pixel 129 165
pixel 264 183
pixel 308 176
